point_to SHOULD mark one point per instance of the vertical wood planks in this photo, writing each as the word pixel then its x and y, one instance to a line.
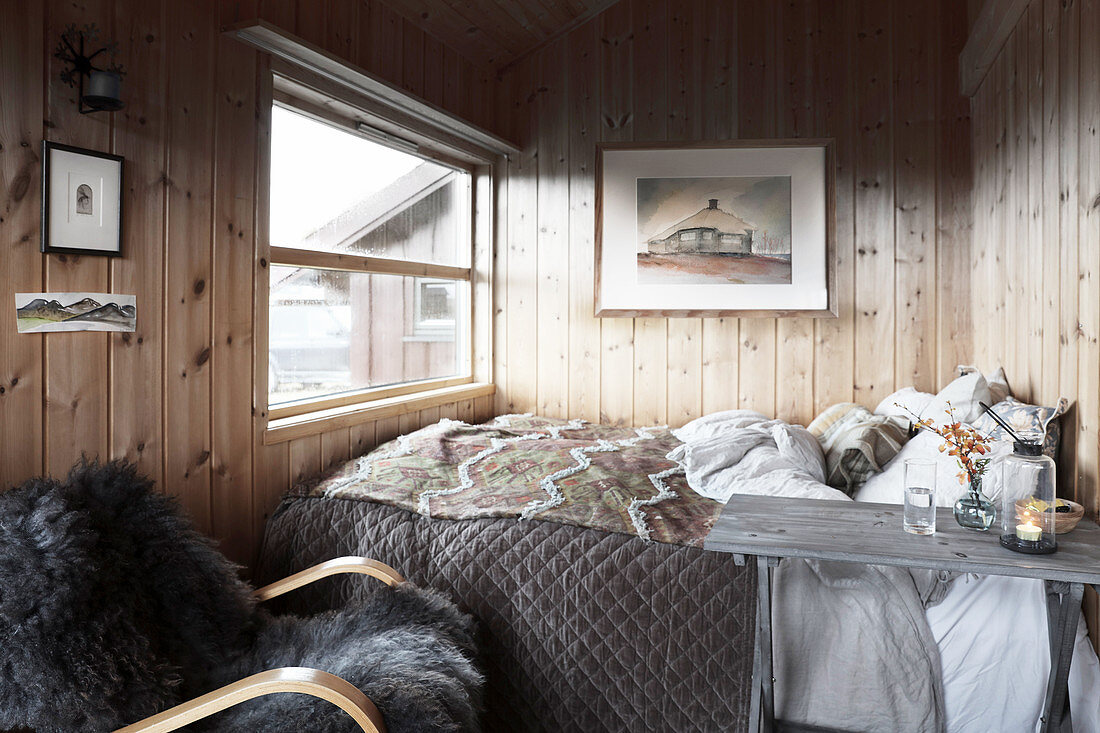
pixel 76 418
pixel 1088 261
pixel 1070 332
pixel 270 463
pixel 231 356
pixel 757 48
pixel 993 257
pixel 583 50
pixel 746 68
pixel 719 338
pixel 916 27
pixel 1037 167
pixel 522 243
pixel 178 396
pixel 715 70
pixel 954 230
pixel 1036 255
pixel 874 365
pixel 1088 485
pixel 688 40
pixel 335 448
pixel 190 132
pixel 501 225
pixel 794 337
pixel 552 258
pixel 1016 327
pixel 1051 176
pixel 834 353
pixel 136 406
pixel 363 438
pixel 305 459
pixel 617 118
pixel 21 368
pixel 653 344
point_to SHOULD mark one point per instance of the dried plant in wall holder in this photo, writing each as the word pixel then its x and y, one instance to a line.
pixel 104 81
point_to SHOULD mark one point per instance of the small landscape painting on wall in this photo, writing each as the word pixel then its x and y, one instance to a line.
pixel 714 230
pixel 51 312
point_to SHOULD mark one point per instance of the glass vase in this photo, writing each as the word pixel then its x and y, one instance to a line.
pixel 974 510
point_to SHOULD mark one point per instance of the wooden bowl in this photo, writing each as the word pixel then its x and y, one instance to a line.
pixel 1063 521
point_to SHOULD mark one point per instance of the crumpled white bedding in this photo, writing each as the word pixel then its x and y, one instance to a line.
pixel 991 631
pixel 742 452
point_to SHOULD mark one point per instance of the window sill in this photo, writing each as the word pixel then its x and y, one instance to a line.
pixel 322 421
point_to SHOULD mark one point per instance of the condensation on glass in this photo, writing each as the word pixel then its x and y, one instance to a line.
pixel 335 191
pixel 336 331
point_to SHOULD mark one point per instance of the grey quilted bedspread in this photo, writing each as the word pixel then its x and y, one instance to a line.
pixel 582 629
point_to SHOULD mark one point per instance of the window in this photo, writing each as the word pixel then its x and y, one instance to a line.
pixel 371 266
pixel 689 235
pixel 435 308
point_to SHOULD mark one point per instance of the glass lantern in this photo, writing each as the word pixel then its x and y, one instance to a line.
pixel 1028 499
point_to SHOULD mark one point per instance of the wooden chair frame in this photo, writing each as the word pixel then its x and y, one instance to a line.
pixel 300 680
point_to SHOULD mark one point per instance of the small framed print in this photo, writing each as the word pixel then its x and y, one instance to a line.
pixel 81 201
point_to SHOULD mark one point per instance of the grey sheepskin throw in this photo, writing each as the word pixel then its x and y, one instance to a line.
pixel 112 608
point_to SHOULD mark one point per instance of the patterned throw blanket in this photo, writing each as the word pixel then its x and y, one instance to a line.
pixel 572 472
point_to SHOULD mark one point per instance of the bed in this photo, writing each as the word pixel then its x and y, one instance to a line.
pixel 577 547
pixel 599 608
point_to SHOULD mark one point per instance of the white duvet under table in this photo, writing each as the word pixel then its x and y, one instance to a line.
pixel 992 635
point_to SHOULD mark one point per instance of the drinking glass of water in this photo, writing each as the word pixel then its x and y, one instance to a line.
pixel 920 497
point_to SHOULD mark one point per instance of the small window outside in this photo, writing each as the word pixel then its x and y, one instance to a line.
pixel 395 309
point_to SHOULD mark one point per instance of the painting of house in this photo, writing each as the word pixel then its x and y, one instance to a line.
pixel 728 230
pixel 708 231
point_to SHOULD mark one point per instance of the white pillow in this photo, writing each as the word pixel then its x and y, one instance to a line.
pixel 910 400
pixel 998 382
pixel 964 394
pixel 716 423
pixel 888 486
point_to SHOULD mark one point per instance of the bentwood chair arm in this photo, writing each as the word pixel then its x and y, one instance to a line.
pixel 301 680
pixel 312 682
pixel 336 566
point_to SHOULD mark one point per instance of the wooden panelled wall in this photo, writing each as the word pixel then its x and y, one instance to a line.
pixel 176 396
pixel 880 77
pixel 1036 254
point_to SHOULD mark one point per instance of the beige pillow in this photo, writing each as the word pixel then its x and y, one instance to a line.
pixel 857 444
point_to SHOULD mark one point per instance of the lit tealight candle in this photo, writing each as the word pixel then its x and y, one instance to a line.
pixel 1028 532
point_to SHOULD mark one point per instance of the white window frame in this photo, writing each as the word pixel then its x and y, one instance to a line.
pixel 426 329
pixel 316 96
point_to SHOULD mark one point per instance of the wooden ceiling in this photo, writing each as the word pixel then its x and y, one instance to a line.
pixel 496 33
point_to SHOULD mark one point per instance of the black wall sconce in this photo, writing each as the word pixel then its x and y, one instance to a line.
pixel 104 82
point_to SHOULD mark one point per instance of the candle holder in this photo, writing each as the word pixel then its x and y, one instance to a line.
pixel 104 82
pixel 1028 503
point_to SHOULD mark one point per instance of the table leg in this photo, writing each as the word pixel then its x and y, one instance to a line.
pixel 764 644
pixel 1063 605
pixel 754 697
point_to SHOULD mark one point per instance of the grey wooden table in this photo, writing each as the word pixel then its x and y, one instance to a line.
pixel 771 528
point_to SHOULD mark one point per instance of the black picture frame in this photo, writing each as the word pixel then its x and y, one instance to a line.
pixel 48 175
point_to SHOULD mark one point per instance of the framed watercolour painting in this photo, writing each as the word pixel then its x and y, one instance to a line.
pixel 81 201
pixel 739 228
